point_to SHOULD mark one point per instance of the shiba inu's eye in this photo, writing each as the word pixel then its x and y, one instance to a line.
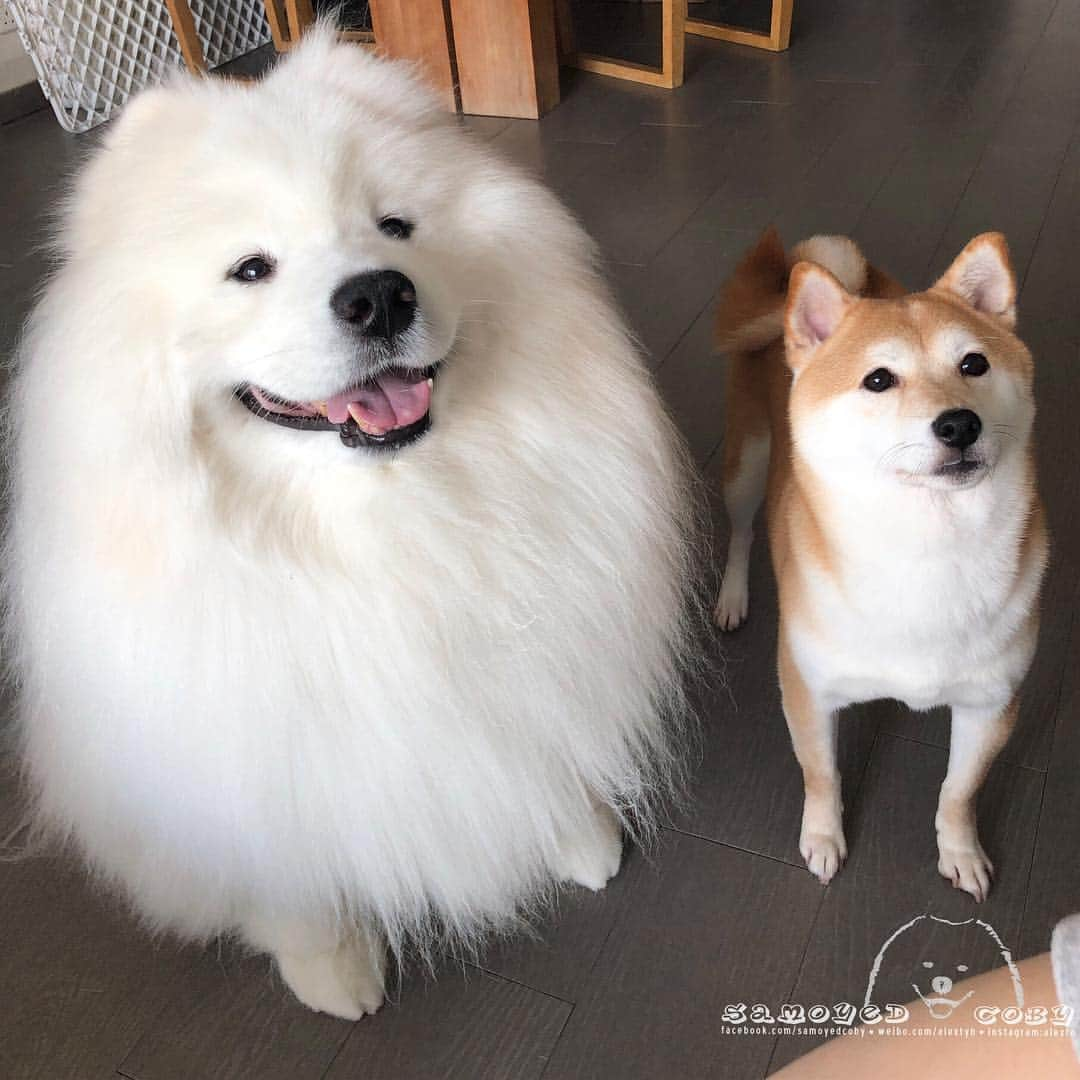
pixel 396 227
pixel 252 269
pixel 879 380
pixel 974 364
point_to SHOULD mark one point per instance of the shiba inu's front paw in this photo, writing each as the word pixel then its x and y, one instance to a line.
pixel 733 602
pixel 967 867
pixel 592 857
pixel 824 853
pixel 821 842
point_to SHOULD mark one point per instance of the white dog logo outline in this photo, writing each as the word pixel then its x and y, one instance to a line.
pixel 940 1005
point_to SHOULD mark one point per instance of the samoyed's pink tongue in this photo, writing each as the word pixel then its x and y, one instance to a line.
pixel 391 401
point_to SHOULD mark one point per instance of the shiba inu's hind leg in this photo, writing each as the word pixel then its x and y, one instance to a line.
pixel 749 328
pixel 746 469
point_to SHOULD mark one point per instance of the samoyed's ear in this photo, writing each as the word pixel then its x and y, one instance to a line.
pixel 162 118
pixel 147 108
pixel 982 276
pixel 394 88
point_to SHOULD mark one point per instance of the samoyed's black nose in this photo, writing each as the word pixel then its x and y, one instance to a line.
pixel 957 427
pixel 378 303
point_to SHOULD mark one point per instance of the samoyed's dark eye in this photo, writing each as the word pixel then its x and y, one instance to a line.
pixel 398 228
pixel 974 364
pixel 254 268
pixel 879 380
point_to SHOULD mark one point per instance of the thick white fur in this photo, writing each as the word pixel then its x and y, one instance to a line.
pixel 271 682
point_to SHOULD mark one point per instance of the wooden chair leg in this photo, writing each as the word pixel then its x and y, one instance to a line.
pixel 278 19
pixel 776 40
pixel 184 27
pixel 284 16
pixel 780 30
pixel 300 15
pixel 672 53
pixel 673 46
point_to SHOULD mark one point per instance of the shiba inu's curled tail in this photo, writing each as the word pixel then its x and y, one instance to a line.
pixel 750 320
pixel 750 314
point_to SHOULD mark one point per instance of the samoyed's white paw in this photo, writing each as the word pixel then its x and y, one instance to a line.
pixel 591 857
pixel 347 982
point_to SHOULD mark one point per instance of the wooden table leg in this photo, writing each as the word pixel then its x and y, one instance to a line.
pixel 507 60
pixel 418 30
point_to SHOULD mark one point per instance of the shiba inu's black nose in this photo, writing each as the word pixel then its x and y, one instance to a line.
pixel 957 427
pixel 378 303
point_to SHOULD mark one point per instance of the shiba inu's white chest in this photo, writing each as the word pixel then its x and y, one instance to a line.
pixel 930 608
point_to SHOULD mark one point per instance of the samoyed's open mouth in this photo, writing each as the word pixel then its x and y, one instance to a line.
pixel 389 411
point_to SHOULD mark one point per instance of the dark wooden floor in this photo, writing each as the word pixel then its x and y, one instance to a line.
pixel 911 124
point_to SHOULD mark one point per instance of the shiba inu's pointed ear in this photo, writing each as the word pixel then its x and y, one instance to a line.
pixel 982 276
pixel 816 303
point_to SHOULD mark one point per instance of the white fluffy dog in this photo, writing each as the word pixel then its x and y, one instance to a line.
pixel 349 550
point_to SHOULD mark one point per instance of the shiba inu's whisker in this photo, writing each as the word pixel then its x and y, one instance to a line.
pixel 893 452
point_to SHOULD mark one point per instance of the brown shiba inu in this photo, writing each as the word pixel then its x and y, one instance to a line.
pixel 892 434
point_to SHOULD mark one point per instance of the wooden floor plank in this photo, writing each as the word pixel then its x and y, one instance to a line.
pixel 1055 876
pixel 1048 298
pixel 558 954
pixel 466 1026
pixel 891 877
pixel 81 981
pixel 639 197
pixel 683 952
pixel 699 259
pixel 236 1019
pixel 903 223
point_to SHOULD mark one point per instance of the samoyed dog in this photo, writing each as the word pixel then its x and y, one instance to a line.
pixel 347 573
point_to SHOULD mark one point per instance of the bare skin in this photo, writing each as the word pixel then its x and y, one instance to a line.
pixel 931 1057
